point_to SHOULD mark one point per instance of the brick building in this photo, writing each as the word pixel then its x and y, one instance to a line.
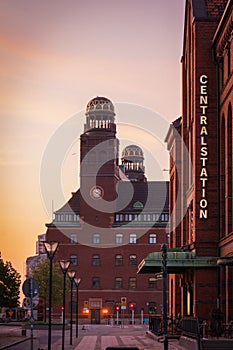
pixel 112 222
pixel 205 232
pixel 200 257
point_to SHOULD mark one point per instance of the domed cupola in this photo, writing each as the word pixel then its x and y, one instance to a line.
pixel 132 160
pixel 100 114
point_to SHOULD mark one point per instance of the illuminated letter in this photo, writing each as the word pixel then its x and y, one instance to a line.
pixel 203 120
pixel 203 214
pixel 203 130
pixel 203 79
pixel 203 172
pixel 204 151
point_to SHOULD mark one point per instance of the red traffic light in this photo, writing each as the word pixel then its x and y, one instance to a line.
pixel 117 307
pixel 131 305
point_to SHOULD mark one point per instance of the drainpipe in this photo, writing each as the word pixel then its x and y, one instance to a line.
pixel 218 302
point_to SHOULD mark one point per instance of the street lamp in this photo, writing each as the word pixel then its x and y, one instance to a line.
pixel 77 282
pixel 64 265
pixel 164 270
pixel 71 275
pixel 50 248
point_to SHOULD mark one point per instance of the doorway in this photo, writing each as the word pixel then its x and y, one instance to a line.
pixel 95 316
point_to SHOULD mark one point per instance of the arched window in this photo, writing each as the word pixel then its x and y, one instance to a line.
pixel 132 283
pixel 96 238
pixel 118 282
pixel 73 260
pixel 95 282
pixel 118 260
pixel 95 260
pixel 152 283
pixel 229 180
pixel 152 238
pixel 73 238
pixel 133 260
pixel 132 238
pixel 119 238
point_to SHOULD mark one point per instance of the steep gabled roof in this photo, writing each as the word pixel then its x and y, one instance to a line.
pixel 153 195
pixel 73 204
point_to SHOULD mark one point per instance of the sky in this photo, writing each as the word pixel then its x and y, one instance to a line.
pixel 55 56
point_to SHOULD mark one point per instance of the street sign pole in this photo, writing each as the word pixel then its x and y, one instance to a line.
pixel 133 316
pixel 31 318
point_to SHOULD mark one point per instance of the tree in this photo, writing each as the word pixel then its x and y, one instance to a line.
pixel 9 285
pixel 41 274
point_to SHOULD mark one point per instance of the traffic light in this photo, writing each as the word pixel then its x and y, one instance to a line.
pixel 132 306
pixel 117 307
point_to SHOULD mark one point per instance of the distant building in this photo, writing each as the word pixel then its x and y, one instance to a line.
pixel 33 261
pixel 112 222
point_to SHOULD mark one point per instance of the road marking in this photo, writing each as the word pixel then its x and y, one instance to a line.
pixel 108 341
pixel 88 342
pixel 129 340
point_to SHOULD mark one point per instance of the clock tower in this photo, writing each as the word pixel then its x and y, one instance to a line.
pixel 99 172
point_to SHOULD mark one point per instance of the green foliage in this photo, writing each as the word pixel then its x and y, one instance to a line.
pixel 9 285
pixel 41 274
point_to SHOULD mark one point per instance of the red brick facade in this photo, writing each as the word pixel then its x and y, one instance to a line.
pixel 106 244
pixel 206 187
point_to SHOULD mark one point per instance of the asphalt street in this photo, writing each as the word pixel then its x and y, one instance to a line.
pixel 91 337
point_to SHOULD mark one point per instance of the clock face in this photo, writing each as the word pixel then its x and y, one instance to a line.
pixel 97 192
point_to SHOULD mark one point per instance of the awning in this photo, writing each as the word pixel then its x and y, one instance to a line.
pixel 226 260
pixel 177 262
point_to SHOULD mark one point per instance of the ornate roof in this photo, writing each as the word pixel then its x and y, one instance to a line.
pixel 99 104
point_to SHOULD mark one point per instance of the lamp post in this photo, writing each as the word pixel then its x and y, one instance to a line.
pixel 64 265
pixel 50 248
pixel 164 270
pixel 77 282
pixel 71 275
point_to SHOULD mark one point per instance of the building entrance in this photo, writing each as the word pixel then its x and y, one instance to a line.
pixel 95 316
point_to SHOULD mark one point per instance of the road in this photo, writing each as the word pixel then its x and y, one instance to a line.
pixel 94 337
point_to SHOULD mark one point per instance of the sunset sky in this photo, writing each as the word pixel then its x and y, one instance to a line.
pixel 55 56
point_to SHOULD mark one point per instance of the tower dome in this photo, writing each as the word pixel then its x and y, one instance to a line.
pixel 99 103
pixel 100 114
pixel 132 160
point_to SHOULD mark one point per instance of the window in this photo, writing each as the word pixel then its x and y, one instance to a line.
pixel 132 283
pixel 133 238
pixel 73 238
pixel 73 260
pixel 96 238
pixel 76 217
pixel 96 260
pixel 138 205
pixel 133 260
pixel 152 284
pixel 95 282
pixel 229 59
pixel 118 283
pixel 119 238
pixel 118 260
pixel 152 307
pixel 152 238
